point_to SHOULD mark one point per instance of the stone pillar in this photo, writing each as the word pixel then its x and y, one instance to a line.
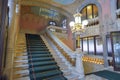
pixel 74 40
pixel 105 52
pixel 78 41
pixel 16 23
pixel 10 42
pixel 113 9
pixel 12 34
pixel 79 64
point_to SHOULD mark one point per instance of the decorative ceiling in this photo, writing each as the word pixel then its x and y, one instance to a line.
pixel 46 10
pixel 69 6
pixel 64 2
pixel 47 13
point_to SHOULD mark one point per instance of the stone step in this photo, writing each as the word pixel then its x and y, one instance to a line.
pixel 72 77
pixel 21 61
pixel 25 53
pixel 21 66
pixel 21 73
pixel 19 54
pixel 21 48
pixel 22 57
pixel 66 72
pixel 20 51
pixel 63 67
pixel 17 59
pixel 62 64
pixel 23 78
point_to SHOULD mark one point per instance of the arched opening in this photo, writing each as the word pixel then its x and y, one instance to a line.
pixel 118 4
pixel 90 11
pixel 53 23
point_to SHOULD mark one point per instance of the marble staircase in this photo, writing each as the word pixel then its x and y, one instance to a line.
pixel 65 66
pixel 20 65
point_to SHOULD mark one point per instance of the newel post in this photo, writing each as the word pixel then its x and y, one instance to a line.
pixel 79 64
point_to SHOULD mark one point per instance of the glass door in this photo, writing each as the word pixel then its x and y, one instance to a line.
pixel 116 49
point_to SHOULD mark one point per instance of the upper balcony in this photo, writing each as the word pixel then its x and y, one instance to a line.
pixel 92 28
pixel 58 31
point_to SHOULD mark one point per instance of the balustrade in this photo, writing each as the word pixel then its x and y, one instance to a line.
pixel 67 56
pixel 93 22
pixel 93 60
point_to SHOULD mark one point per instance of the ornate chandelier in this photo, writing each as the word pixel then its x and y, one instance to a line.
pixel 78 26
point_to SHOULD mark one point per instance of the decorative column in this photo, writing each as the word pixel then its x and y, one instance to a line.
pixel 105 53
pixel 78 41
pixel 12 35
pixel 16 23
pixel 10 42
pixel 74 40
pixel 79 64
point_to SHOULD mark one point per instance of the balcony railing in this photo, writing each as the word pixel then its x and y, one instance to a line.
pixel 93 22
pixel 58 31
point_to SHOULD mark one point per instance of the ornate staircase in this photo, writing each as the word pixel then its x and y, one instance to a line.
pixel 63 63
pixel 41 63
pixel 37 58
pixel 33 60
pixel 20 64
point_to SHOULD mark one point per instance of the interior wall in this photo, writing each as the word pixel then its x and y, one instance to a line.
pixel 32 22
pixel 68 42
pixel 29 21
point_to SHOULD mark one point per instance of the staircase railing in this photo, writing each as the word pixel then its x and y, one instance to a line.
pixel 74 57
pixel 71 60
pixel 58 31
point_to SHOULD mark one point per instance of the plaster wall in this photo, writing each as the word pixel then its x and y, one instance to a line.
pixel 32 22
pixel 29 21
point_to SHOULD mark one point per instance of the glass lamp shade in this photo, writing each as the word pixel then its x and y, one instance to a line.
pixel 77 26
pixel 77 17
pixel 85 22
pixel 72 23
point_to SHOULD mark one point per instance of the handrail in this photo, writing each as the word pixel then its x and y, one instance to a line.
pixel 86 58
pixel 61 44
pixel 57 29
pixel 67 56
